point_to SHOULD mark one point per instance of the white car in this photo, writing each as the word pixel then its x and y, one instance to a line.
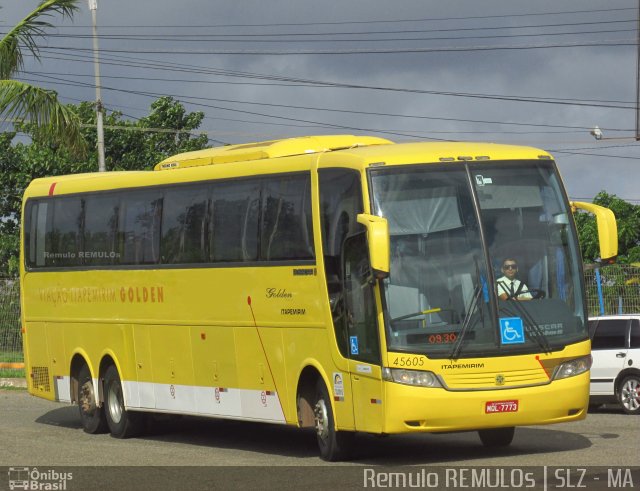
pixel 615 373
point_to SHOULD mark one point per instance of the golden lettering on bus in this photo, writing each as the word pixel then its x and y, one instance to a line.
pixel 77 295
pixel 142 294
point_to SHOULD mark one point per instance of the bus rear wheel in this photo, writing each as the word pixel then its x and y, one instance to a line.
pixel 91 414
pixel 497 437
pixel 334 445
pixel 122 423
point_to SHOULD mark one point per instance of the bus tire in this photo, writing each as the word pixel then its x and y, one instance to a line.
pixel 334 445
pixel 122 423
pixel 91 414
pixel 497 437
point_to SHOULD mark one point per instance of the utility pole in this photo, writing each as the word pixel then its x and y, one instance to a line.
pixel 93 6
pixel 638 77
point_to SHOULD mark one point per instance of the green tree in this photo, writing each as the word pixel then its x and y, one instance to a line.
pixel 628 221
pixel 134 145
pixel 20 101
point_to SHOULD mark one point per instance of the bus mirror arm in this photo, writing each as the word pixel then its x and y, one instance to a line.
pixel 607 229
pixel 378 243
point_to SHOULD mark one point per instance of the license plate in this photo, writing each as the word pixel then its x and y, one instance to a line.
pixel 501 407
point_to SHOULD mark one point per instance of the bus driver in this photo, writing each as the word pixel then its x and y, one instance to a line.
pixel 509 286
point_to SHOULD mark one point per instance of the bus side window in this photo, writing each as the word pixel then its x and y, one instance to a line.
pixel 35 232
pixel 185 225
pixel 101 229
pixel 285 228
pixel 340 203
pixel 141 213
pixel 65 233
pixel 235 218
pixel 360 303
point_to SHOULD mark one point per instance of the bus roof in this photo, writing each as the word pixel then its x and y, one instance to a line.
pixel 268 150
pixel 356 152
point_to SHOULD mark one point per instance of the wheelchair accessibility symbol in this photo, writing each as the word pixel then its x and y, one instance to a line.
pixel 353 341
pixel 511 330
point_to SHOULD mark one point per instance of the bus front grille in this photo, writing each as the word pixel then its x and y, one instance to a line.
pixel 495 380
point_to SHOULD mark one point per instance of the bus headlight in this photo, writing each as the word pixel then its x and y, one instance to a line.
pixel 410 377
pixel 573 367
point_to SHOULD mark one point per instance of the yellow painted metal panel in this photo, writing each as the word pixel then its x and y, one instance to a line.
pixel 368 401
pixel 171 354
pixel 58 360
pixel 418 409
pixel 39 378
pixel 214 356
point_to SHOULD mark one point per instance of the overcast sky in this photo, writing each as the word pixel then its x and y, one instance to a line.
pixel 404 70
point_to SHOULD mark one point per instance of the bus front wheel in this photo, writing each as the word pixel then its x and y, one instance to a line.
pixel 122 423
pixel 91 414
pixel 497 437
pixel 334 445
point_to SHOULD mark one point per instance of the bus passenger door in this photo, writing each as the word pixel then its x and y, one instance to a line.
pixel 362 334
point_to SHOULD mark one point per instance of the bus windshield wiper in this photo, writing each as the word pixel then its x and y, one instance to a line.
pixel 531 326
pixel 466 323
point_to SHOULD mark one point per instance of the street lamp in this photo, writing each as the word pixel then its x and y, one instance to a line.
pixel 93 6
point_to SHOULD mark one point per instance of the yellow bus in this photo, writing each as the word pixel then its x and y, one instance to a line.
pixel 343 283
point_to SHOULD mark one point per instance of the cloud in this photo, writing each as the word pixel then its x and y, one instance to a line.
pixel 585 73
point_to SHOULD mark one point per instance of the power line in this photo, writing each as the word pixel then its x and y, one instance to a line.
pixel 631 200
pixel 320 84
pixel 556 101
pixel 326 125
pixel 382 21
pixel 364 51
pixel 596 155
pixel 346 33
pixel 290 106
pixel 218 39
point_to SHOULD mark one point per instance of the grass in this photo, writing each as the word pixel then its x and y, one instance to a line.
pixel 13 388
pixel 15 356
pixel 11 373
pixel 11 357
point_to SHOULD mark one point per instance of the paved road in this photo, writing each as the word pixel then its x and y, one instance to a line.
pixel 35 432
pixel 38 432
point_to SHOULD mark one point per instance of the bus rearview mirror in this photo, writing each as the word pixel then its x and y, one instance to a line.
pixel 607 229
pixel 378 239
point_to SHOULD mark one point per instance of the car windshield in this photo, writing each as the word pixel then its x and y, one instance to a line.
pixel 452 228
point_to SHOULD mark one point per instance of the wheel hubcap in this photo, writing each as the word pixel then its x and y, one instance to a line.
pixel 322 420
pixel 87 398
pixel 631 395
pixel 115 407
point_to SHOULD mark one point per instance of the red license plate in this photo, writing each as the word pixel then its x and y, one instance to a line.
pixel 501 407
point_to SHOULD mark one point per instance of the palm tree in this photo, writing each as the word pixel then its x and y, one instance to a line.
pixel 20 101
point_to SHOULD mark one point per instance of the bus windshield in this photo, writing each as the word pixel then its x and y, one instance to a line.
pixel 452 231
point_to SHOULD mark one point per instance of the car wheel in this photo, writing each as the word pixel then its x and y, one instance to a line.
pixel 629 394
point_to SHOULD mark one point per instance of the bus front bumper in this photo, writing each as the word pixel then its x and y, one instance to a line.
pixel 419 409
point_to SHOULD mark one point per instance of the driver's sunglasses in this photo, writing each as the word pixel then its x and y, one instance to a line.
pixel 510 266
